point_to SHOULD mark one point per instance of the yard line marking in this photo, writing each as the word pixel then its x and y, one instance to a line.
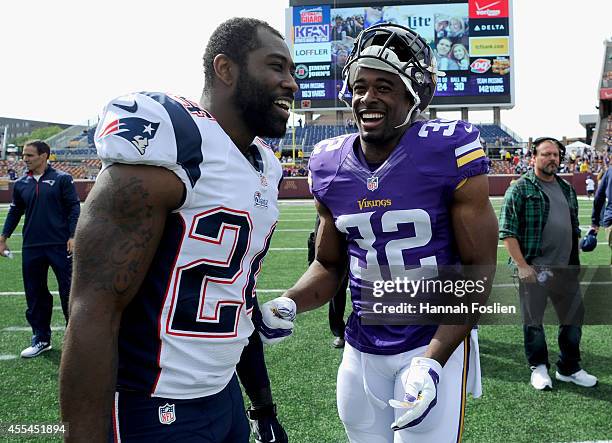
pixel 7 357
pixel 293 230
pixel 23 293
pixel 27 328
pixel 297 220
pixel 288 249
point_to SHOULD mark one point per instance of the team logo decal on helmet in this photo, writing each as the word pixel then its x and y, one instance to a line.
pixel 399 50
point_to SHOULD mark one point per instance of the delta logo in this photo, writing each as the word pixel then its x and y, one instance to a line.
pixel 488 8
pixel 314 15
pixel 480 65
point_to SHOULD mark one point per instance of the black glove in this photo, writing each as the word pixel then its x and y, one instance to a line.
pixel 265 426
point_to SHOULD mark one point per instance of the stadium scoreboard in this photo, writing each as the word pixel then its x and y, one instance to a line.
pixel 471 40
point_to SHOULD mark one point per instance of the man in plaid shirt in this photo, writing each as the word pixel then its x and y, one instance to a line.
pixel 540 229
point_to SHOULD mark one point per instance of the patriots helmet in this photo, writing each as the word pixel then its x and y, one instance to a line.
pixel 398 50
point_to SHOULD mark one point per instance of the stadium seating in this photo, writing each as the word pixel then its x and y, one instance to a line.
pixel 492 133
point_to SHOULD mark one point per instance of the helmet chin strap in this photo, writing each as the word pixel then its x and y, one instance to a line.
pixel 416 99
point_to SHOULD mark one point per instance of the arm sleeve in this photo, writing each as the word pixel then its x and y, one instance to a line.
pixel 252 370
pixel 469 154
pixel 510 213
pixel 71 203
pixel 16 210
pixel 600 199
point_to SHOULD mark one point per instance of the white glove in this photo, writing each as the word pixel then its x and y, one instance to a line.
pixel 421 392
pixel 277 320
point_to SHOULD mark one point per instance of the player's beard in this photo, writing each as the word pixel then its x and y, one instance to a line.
pixel 258 108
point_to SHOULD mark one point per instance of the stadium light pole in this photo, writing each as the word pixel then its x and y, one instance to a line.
pixel 3 146
pixel 293 132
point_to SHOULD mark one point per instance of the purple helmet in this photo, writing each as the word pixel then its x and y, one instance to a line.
pixel 399 50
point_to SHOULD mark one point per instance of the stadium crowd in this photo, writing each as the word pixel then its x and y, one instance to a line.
pixel 508 161
pixel 516 161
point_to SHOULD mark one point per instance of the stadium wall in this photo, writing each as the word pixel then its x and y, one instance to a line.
pixel 297 187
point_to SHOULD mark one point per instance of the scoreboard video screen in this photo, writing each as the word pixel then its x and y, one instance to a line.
pixel 471 39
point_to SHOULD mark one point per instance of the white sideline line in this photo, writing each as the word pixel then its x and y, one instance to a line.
pixel 7 357
pixel 500 245
pixel 311 219
pixel 27 328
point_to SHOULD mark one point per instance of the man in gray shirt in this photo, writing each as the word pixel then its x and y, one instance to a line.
pixel 539 226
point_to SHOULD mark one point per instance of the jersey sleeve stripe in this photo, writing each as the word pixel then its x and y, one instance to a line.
pixel 470 157
pixel 467 148
pixel 461 183
pixel 186 134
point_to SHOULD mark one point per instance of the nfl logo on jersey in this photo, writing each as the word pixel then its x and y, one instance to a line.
pixel 372 183
pixel 166 414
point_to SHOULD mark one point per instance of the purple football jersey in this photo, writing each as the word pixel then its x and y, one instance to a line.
pixel 396 218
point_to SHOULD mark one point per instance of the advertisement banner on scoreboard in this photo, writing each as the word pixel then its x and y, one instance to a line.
pixel 488 46
pixel 312 52
pixel 488 65
pixel 311 15
pixel 311 33
pixel 488 8
pixel 488 27
pixel 309 71
pixel 471 40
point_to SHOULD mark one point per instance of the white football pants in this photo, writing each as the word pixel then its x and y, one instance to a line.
pixel 366 382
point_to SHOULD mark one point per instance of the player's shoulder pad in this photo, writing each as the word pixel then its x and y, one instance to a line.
pixel 152 128
pixel 444 146
pixel 326 158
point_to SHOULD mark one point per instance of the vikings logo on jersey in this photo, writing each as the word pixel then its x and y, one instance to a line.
pixel 135 130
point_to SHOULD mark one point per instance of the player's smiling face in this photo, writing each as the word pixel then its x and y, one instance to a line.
pixel 380 104
pixel 266 87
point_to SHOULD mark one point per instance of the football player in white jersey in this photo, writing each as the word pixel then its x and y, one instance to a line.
pixel 403 198
pixel 168 249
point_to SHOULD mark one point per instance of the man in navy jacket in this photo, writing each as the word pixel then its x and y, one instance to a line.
pixel 601 216
pixel 50 203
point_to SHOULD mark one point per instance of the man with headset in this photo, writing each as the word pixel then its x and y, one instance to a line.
pixel 540 229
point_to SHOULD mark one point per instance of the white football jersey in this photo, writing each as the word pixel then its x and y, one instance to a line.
pixel 184 332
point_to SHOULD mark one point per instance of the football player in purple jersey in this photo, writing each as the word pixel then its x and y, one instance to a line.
pixel 168 251
pixel 403 198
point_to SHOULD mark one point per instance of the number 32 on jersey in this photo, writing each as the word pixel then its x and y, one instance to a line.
pixel 392 249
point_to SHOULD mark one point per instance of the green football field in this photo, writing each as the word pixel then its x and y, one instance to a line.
pixel 303 368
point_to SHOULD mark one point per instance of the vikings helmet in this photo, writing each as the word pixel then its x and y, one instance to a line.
pixel 399 50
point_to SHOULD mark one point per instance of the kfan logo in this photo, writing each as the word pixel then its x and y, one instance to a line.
pixel 312 34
